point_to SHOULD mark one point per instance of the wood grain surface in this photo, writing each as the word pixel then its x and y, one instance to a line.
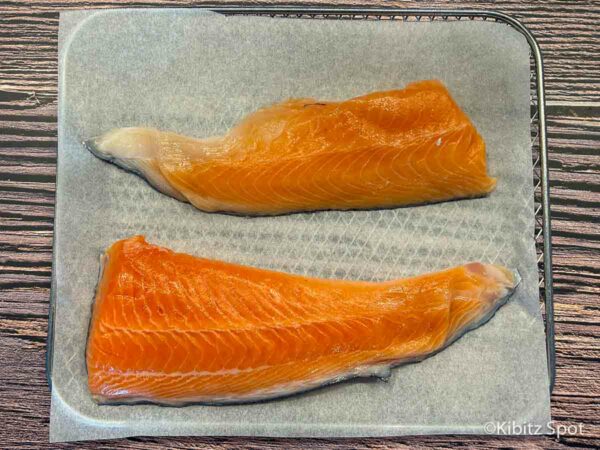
pixel 569 34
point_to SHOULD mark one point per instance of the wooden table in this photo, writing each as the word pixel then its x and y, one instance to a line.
pixel 568 33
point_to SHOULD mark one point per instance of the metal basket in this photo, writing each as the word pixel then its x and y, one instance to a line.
pixel 538 129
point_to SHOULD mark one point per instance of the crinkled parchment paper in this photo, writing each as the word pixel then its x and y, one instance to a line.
pixel 198 73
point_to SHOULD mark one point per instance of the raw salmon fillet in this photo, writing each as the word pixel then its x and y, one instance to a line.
pixel 385 149
pixel 172 328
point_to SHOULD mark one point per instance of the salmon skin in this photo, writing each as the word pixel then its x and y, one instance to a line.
pixel 381 150
pixel 174 329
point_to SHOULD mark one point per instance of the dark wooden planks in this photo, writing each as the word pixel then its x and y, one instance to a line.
pixel 28 76
pixel 567 31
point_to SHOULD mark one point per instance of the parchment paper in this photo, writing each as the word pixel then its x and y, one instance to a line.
pixel 198 73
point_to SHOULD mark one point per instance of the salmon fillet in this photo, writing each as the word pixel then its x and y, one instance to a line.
pixel 172 328
pixel 384 149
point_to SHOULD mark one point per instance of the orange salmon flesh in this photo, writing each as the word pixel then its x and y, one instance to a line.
pixel 172 328
pixel 381 150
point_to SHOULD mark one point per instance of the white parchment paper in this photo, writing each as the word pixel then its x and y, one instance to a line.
pixel 198 73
